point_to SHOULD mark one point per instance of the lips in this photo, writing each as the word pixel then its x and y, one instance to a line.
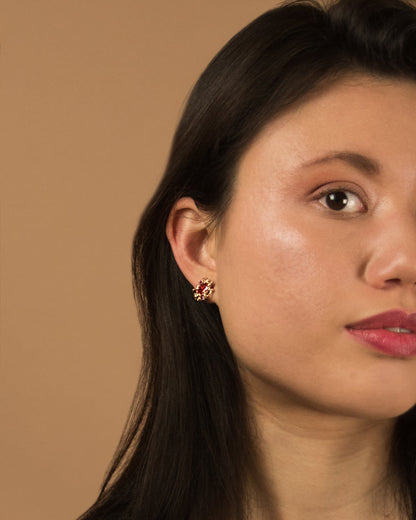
pixel 373 332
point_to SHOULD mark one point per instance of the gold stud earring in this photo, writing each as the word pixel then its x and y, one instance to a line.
pixel 204 289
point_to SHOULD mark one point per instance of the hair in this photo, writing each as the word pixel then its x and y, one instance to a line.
pixel 188 448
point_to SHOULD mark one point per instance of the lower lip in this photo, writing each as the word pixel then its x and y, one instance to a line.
pixel 395 344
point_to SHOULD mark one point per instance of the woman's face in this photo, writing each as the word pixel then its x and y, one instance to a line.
pixel 320 234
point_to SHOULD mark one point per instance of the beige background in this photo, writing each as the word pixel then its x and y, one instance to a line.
pixel 91 91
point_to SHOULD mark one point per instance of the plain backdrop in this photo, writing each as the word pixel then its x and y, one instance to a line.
pixel 91 91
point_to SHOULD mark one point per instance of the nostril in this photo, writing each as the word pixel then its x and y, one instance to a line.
pixel 394 281
pixel 390 270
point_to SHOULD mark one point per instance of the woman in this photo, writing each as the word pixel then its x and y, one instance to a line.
pixel 288 203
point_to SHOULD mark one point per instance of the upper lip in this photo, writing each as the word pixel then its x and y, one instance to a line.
pixel 389 319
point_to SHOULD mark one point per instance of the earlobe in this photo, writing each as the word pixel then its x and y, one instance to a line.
pixel 192 243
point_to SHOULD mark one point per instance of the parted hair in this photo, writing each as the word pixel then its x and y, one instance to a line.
pixel 188 450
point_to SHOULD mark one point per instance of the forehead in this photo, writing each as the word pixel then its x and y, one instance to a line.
pixel 370 116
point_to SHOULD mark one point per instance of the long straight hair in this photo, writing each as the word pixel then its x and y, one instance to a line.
pixel 188 450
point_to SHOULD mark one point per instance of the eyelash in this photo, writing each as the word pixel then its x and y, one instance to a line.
pixel 346 189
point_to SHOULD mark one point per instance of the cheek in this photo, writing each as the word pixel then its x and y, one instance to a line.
pixel 278 287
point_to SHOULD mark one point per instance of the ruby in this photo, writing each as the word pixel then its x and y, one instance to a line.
pixel 203 290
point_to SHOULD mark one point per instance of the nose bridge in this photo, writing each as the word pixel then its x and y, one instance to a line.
pixel 393 257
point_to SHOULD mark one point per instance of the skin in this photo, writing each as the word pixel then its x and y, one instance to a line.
pixel 291 273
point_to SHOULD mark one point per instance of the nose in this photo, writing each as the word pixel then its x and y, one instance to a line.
pixel 392 261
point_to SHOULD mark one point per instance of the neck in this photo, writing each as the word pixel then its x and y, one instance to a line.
pixel 315 465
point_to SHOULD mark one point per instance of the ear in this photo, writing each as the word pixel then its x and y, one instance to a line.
pixel 192 243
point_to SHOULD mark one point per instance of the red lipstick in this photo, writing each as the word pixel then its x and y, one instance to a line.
pixel 392 332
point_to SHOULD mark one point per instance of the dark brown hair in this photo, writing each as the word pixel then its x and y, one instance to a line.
pixel 186 452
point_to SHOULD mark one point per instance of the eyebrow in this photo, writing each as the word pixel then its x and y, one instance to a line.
pixel 356 160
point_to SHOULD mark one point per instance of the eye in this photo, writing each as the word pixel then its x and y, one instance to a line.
pixel 341 200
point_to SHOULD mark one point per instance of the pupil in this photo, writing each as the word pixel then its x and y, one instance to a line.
pixel 337 200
